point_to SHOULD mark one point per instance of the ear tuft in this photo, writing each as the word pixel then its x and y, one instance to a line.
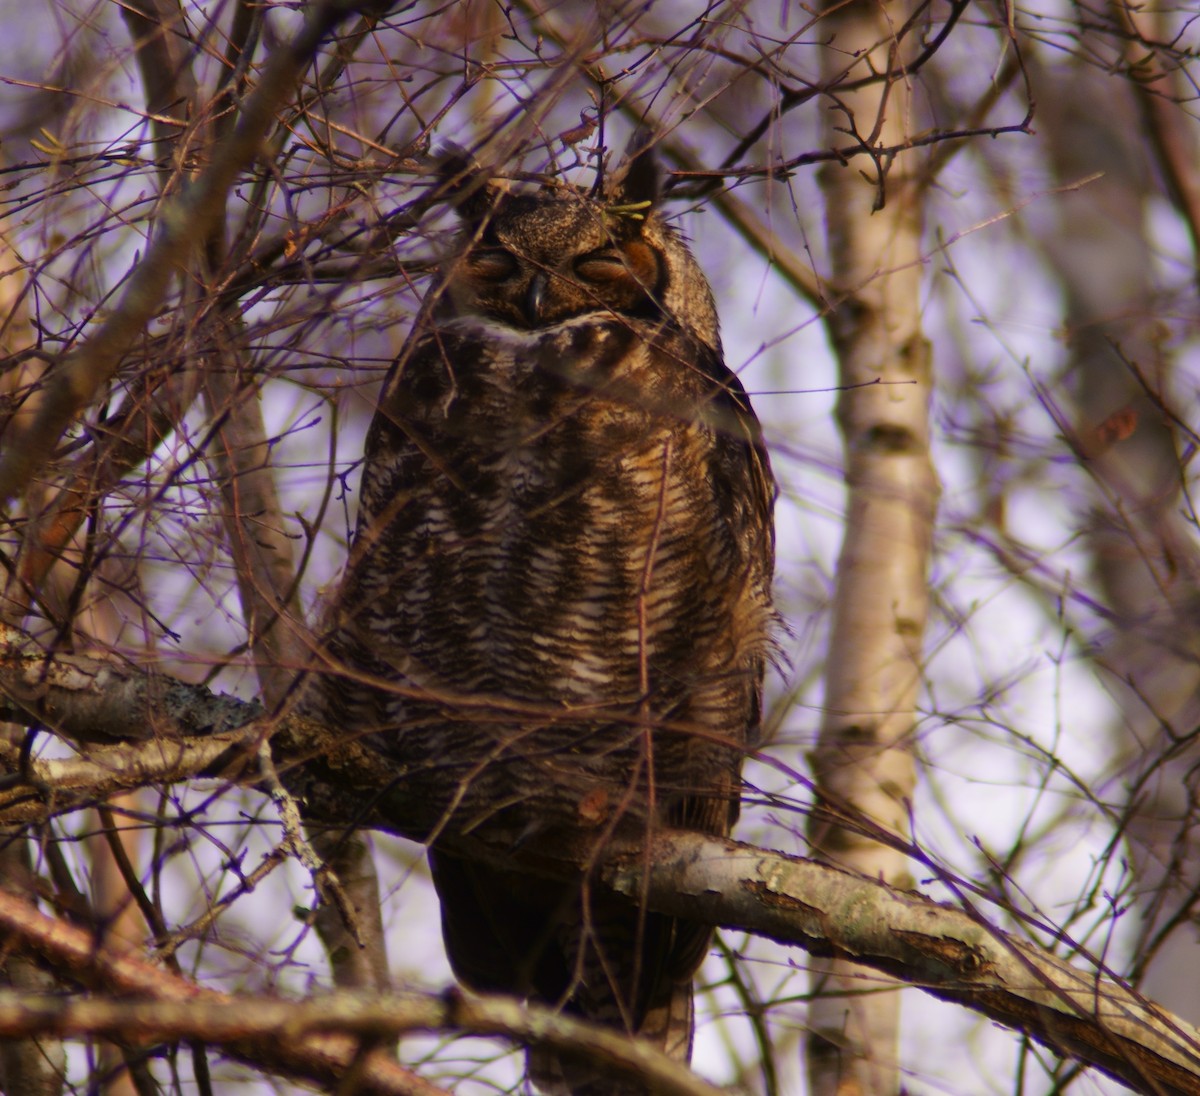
pixel 636 182
pixel 464 183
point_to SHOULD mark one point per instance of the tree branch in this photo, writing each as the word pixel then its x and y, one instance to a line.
pixel 951 954
pixel 307 1054
pixel 239 1022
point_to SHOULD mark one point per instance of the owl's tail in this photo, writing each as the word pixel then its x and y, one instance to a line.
pixel 600 959
pixel 669 1024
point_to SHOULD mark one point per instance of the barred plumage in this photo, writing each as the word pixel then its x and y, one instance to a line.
pixel 557 611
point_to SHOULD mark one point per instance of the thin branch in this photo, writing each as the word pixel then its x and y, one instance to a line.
pixel 255 530
pixel 119 445
pixel 846 153
pixel 791 98
pixel 186 222
pixel 1168 124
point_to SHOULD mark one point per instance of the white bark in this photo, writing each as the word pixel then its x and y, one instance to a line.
pixel 862 761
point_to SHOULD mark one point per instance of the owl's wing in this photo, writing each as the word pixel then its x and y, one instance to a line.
pixel 742 457
pixel 743 494
pixel 758 525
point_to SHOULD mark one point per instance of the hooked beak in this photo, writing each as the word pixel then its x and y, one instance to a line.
pixel 535 296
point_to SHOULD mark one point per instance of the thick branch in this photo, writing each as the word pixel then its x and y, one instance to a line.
pixel 948 953
pixel 101 701
pixel 238 1022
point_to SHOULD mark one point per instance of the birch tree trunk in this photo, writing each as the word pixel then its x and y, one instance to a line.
pixel 863 762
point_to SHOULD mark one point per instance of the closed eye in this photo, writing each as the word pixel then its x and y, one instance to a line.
pixel 492 264
pixel 603 267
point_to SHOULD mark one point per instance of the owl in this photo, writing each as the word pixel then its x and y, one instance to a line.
pixel 557 611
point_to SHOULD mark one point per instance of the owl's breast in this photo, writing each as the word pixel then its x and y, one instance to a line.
pixel 558 502
pixel 575 507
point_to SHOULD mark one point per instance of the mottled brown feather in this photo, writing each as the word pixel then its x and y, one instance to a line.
pixel 557 612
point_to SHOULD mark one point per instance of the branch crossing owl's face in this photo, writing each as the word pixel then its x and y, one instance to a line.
pixel 529 261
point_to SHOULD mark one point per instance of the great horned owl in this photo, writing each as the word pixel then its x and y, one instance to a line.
pixel 557 612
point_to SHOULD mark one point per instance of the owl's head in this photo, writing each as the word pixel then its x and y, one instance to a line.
pixel 534 259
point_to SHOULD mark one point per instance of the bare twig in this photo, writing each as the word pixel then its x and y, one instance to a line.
pixel 185 223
